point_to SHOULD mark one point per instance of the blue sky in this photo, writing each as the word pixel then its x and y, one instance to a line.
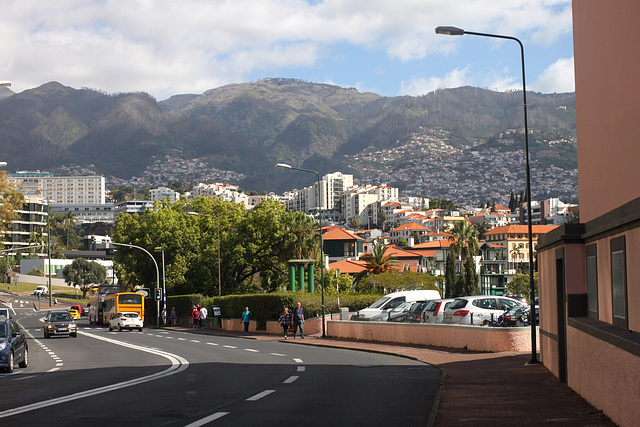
pixel 189 46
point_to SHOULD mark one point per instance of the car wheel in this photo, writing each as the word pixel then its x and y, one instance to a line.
pixel 110 328
pixel 119 328
pixel 25 359
pixel 139 329
pixel 46 334
pixel 9 367
pixel 75 335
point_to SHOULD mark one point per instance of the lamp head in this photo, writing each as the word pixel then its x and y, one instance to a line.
pixel 193 213
pixel 283 166
pixel 450 31
pixel 5 83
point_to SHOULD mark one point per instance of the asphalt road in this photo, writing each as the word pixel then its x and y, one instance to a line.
pixel 162 377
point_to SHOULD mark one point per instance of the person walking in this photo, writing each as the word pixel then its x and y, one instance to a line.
pixel 285 321
pixel 203 316
pixel 173 317
pixel 298 321
pixel 194 316
pixel 246 318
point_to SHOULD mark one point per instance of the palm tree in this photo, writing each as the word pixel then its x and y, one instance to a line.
pixel 68 220
pixel 464 240
pixel 378 261
pixel 354 221
pixel 300 237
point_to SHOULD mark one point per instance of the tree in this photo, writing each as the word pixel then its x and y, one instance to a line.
pixel 520 285
pixel 377 261
pixel 11 200
pixel 442 204
pixel 450 276
pixel 68 221
pixel 84 273
pixel 464 238
pixel 354 222
pixel 471 286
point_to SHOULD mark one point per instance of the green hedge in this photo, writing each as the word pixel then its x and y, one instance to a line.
pixel 263 307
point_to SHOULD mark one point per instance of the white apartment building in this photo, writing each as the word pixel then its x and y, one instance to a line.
pixel 333 187
pixel 164 193
pixel 31 223
pixel 356 200
pixel 547 212
pixel 60 189
pixel 87 213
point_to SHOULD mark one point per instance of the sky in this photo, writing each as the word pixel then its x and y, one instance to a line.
pixel 387 47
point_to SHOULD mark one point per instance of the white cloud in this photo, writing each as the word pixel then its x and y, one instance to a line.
pixel 166 47
pixel 559 77
pixel 419 85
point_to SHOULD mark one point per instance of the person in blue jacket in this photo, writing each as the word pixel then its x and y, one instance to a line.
pixel 246 318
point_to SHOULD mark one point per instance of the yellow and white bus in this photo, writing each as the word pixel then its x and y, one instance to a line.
pixel 123 301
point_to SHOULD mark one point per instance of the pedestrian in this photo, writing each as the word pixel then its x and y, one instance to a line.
pixel 285 321
pixel 55 301
pixel 195 314
pixel 203 316
pixel 246 318
pixel 298 321
pixel 173 316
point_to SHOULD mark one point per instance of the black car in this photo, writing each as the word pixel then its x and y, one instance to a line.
pixel 13 345
pixel 413 314
pixel 517 316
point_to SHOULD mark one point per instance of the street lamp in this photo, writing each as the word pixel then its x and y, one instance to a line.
pixel 157 271
pixel 454 31
pixel 164 287
pixel 5 83
pixel 218 227
pixel 286 166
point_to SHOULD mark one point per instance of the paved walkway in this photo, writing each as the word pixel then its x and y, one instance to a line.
pixel 478 389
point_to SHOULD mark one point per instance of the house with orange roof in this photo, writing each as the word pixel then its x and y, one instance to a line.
pixel 410 230
pixel 340 244
pixel 348 266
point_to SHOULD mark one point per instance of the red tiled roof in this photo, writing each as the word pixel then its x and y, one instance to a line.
pixel 348 266
pixel 435 244
pixel 337 233
pixel 410 226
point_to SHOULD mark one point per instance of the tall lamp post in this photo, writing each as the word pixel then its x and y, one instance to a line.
pixel 454 31
pixel 219 264
pixel 164 287
pixel 286 166
pixel 157 271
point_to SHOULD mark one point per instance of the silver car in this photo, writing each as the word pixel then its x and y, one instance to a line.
pixel 434 311
pixel 478 310
pixel 59 323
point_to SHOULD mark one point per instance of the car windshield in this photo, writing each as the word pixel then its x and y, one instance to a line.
pixel 130 314
pixel 432 306
pixel 402 307
pixel 60 316
pixel 380 302
pixel 3 330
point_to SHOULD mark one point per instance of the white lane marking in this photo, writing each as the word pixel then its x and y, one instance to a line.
pixel 300 368
pixel 169 338
pixel 181 339
pixel 277 354
pixel 54 356
pixel 195 341
pixel 298 360
pixel 252 350
pixel 260 395
pixel 50 370
pixel 208 419
pixel 291 379
pixel 178 364
pixel 229 346
pixel 212 343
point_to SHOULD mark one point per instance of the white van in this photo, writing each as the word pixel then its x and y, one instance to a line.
pixel 392 300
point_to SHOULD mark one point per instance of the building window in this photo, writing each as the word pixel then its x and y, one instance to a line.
pixel 619 282
pixel 592 281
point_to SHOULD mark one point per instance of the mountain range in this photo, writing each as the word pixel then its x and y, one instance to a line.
pixel 249 127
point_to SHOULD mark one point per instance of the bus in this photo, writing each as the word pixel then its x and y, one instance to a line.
pixel 123 301
pixel 97 294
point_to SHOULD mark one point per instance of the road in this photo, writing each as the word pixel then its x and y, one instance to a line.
pixel 172 378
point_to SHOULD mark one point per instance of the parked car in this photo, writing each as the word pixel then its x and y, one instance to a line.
pixel 478 310
pixel 126 320
pixel 518 316
pixel 392 300
pixel 13 345
pixel 413 314
pixel 59 322
pixel 386 315
pixel 434 311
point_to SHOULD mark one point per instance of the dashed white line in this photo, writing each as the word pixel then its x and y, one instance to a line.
pixel 229 346
pixel 195 341
pixel 278 354
pixel 208 419
pixel 212 343
pixel 252 350
pixel 291 379
pixel 260 395
pixel 298 360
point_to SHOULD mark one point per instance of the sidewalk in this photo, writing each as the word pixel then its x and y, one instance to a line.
pixel 477 389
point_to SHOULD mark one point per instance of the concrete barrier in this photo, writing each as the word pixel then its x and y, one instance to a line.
pixel 476 338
